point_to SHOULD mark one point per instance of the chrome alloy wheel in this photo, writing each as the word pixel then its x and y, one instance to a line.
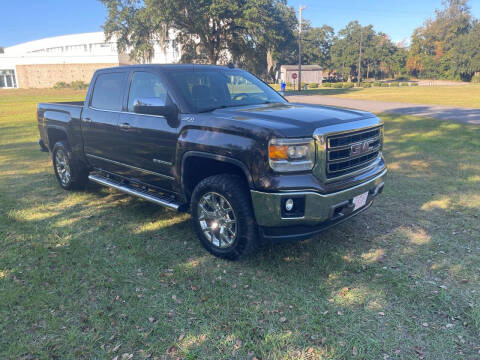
pixel 217 219
pixel 63 167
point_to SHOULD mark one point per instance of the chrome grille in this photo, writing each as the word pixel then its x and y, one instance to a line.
pixel 353 151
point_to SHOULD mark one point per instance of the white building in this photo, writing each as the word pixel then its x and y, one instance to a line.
pixel 42 63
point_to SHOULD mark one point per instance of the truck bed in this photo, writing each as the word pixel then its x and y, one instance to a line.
pixel 58 115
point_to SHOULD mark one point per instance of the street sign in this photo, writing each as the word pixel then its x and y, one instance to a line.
pixel 294 75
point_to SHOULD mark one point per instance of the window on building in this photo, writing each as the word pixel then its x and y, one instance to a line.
pixel 76 48
pixel 108 92
pixel 57 49
pixel 7 79
pixel 103 47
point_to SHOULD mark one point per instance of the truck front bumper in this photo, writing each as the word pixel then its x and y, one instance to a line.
pixel 312 212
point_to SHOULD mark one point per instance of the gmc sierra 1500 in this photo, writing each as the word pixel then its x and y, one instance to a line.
pixel 217 141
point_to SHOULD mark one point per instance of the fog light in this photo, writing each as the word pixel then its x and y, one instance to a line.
pixel 289 204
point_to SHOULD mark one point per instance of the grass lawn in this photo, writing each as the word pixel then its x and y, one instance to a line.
pixel 99 274
pixel 463 96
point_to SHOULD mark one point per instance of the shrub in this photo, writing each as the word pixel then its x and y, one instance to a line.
pixel 414 84
pixel 394 84
pixel 275 87
pixel 476 79
pixel 60 85
pixel 289 85
pixel 366 85
pixel 78 85
pixel 337 85
pixel 348 85
pixel 313 86
pixel 327 84
pixel 377 83
pixel 384 85
pixel 403 84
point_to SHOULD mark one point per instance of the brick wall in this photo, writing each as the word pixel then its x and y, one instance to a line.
pixel 45 76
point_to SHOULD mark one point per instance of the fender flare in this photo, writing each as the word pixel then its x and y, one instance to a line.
pixel 56 127
pixel 216 157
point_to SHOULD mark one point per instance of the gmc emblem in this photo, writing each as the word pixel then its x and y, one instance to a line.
pixel 361 148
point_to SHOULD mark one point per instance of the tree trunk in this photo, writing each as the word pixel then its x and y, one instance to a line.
pixel 270 62
pixel 212 55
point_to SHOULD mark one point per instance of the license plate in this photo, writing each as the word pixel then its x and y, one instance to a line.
pixel 360 201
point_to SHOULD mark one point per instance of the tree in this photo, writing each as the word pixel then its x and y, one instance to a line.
pixel 317 43
pixel 346 48
pixel 465 54
pixel 1 50
pixel 206 30
pixel 432 42
pixel 270 30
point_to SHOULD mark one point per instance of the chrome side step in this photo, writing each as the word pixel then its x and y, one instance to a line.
pixel 144 195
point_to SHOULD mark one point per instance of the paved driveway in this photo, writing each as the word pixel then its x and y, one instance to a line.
pixel 464 115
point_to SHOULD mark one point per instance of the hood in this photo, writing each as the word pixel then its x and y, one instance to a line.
pixel 290 119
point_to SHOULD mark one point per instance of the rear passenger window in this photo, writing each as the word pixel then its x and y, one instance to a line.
pixel 108 92
pixel 146 86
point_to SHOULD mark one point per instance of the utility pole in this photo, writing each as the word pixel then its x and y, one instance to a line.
pixel 300 9
pixel 360 58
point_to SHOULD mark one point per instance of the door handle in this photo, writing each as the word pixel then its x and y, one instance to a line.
pixel 125 126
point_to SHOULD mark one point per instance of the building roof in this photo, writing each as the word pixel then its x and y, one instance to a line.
pixel 304 67
pixel 55 42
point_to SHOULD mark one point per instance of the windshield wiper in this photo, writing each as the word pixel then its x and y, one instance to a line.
pixel 236 105
pixel 213 108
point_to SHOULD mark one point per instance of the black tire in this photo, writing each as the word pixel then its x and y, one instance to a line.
pixel 235 191
pixel 77 177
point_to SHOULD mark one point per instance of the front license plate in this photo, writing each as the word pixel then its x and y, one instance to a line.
pixel 360 201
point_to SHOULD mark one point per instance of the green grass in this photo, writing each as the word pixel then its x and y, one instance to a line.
pixel 462 96
pixel 98 274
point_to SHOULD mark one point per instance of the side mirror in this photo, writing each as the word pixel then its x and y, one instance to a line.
pixel 157 106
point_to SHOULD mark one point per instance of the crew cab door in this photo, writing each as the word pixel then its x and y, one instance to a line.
pixel 148 142
pixel 100 119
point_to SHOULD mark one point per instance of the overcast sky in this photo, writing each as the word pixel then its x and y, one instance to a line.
pixel 36 19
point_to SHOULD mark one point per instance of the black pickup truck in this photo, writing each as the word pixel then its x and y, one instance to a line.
pixel 217 141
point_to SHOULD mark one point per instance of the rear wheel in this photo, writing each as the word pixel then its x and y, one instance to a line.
pixel 223 216
pixel 70 174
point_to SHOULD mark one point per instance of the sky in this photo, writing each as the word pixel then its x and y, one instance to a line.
pixel 36 19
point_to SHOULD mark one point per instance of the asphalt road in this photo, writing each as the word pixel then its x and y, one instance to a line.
pixel 463 115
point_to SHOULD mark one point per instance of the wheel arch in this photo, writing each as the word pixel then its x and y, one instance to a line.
pixel 55 134
pixel 197 165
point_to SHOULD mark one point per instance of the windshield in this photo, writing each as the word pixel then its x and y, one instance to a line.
pixel 207 90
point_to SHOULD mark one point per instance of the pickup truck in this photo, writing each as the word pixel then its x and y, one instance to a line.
pixel 251 167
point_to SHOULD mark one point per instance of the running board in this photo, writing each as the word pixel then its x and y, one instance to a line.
pixel 143 195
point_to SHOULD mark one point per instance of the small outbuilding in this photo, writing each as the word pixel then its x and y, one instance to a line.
pixel 310 73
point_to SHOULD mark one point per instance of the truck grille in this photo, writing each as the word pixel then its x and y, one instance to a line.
pixel 353 151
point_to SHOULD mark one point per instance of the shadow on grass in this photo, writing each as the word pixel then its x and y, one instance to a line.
pixel 467 116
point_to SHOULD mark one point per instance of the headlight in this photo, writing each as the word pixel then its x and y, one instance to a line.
pixel 291 154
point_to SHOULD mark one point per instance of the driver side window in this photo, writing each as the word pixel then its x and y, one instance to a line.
pixel 145 85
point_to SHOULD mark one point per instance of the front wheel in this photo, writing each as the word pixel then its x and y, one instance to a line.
pixel 223 216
